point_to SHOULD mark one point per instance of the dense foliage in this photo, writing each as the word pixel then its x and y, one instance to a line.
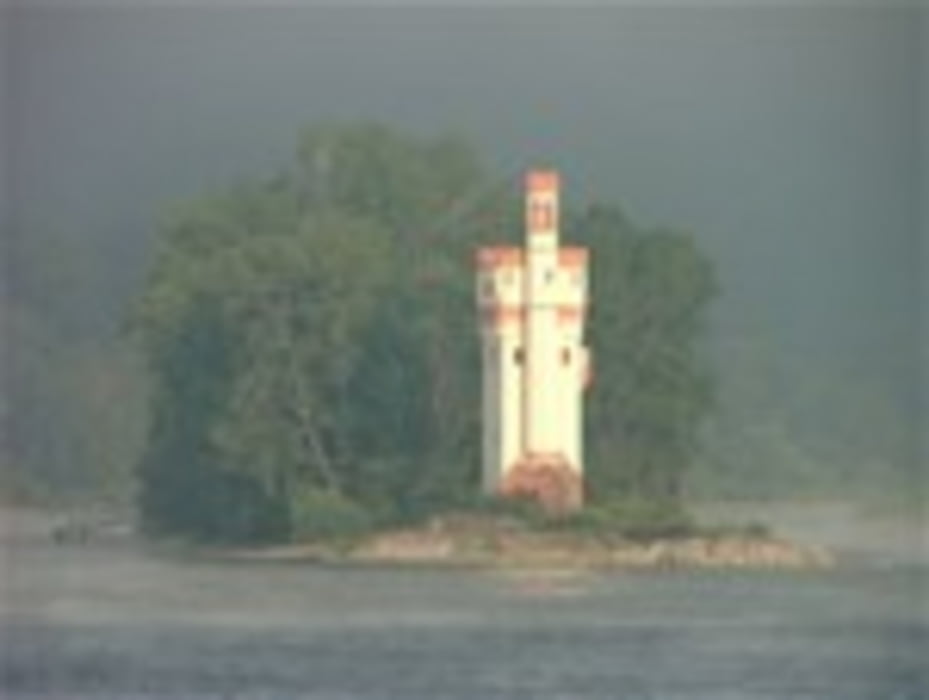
pixel 313 346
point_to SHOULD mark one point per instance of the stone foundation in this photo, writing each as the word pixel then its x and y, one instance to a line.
pixel 548 480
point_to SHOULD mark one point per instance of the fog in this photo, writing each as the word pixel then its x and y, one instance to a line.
pixel 785 139
pixel 792 142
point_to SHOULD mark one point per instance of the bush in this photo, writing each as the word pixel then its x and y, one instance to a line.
pixel 756 530
pixel 524 509
pixel 316 514
pixel 199 502
pixel 635 518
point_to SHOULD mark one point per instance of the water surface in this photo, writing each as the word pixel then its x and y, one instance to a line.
pixel 115 620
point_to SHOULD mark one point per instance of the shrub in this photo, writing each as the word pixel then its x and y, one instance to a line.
pixel 317 514
pixel 635 518
pixel 524 509
pixel 756 530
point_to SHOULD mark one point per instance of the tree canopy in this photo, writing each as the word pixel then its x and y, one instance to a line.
pixel 313 344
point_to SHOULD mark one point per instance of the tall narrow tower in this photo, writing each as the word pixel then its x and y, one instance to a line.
pixel 533 302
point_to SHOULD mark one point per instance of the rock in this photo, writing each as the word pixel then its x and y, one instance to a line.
pixel 412 546
pixel 551 482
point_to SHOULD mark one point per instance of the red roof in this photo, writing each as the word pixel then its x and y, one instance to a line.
pixel 572 256
pixel 499 256
pixel 541 180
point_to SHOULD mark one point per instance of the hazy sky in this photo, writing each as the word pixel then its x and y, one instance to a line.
pixel 787 140
pixel 923 305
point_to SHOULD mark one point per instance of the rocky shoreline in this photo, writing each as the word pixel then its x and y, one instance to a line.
pixel 494 544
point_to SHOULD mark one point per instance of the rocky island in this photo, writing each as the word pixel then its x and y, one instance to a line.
pixel 486 541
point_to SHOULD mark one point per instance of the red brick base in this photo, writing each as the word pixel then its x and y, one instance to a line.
pixel 548 480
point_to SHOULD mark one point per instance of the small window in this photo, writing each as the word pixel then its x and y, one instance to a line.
pixel 566 356
pixel 518 356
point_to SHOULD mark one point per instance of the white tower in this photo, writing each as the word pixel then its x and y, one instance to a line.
pixel 533 302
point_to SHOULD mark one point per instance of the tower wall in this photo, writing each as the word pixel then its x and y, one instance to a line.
pixel 491 415
pixel 572 311
pixel 541 389
pixel 511 384
pixel 500 301
pixel 569 404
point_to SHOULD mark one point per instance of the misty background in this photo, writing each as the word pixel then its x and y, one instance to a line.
pixel 791 142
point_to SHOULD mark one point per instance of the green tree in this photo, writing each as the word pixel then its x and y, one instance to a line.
pixel 652 387
pixel 312 342
pixel 311 331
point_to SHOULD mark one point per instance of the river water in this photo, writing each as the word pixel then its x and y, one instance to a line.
pixel 118 621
